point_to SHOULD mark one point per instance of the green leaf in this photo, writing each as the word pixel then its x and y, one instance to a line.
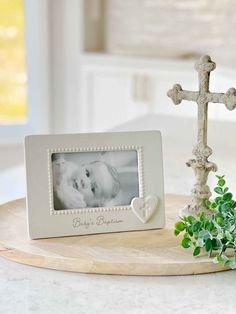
pixel 228 235
pixel 219 220
pixel 190 231
pixel 218 199
pixel 205 234
pixel 219 190
pixel 196 251
pixel 226 206
pixel 216 244
pixel 215 260
pixel 200 242
pixel 180 226
pixel 221 182
pixel 202 216
pixel 176 232
pixel 224 259
pixel 191 219
pixel 227 196
pixel 208 245
pixel 211 226
pixel 226 189
pixel 208 225
pixel 220 236
pixel 213 205
pixel 196 226
pixel 207 203
pixel 186 243
pixel 232 227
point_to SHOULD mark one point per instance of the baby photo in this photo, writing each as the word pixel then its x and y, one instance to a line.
pixel 94 179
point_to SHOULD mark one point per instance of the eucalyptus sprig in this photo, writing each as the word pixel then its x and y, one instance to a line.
pixel 213 233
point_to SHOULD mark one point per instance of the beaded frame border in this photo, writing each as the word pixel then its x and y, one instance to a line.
pixel 50 151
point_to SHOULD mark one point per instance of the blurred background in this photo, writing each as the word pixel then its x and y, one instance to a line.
pixel 98 65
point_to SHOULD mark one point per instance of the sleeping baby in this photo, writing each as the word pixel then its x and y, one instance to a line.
pixel 78 186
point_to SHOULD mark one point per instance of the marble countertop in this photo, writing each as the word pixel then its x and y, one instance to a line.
pixel 25 289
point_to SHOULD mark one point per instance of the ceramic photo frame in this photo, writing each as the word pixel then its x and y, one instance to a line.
pixel 94 183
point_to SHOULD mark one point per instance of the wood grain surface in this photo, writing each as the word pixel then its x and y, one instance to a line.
pixel 153 252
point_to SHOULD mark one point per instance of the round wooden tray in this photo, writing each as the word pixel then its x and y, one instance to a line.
pixel 153 252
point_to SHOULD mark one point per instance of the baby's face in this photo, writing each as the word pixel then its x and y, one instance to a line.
pixel 94 182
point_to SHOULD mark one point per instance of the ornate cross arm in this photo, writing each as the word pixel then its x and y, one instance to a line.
pixel 177 94
pixel 229 98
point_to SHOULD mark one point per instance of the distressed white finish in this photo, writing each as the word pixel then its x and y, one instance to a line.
pixel 202 151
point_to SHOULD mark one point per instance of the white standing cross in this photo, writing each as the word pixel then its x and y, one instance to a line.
pixel 201 165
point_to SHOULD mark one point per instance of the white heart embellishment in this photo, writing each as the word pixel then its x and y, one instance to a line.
pixel 144 208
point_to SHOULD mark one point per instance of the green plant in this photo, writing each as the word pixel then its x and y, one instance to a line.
pixel 213 233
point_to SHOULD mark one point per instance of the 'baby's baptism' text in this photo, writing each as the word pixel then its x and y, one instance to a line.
pixel 99 221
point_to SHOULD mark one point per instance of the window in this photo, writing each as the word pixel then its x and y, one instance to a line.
pixel 13 108
pixel 24 70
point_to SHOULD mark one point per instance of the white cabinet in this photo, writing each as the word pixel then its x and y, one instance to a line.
pixel 115 90
pixel 111 97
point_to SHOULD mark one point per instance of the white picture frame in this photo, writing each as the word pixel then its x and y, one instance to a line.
pixel 119 211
